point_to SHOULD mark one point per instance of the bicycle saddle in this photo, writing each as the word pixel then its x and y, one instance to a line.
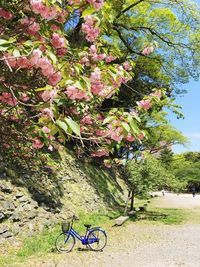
pixel 87 225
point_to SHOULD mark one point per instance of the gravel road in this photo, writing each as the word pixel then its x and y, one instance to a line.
pixel 144 244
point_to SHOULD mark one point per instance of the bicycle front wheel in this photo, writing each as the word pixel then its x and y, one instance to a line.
pixel 97 240
pixel 65 242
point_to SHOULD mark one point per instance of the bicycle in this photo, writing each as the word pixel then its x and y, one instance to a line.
pixel 95 238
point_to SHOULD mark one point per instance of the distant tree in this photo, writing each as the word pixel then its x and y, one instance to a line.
pixel 186 168
pixel 144 176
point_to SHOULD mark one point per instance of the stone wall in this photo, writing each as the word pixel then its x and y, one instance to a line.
pixel 31 201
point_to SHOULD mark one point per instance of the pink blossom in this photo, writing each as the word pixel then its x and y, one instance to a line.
pixel 87 120
pixel 55 27
pixel 116 136
pixel 74 93
pixel 55 78
pixel 23 62
pixel 43 63
pixel 145 104
pixel 130 138
pixel 141 136
pixel 148 50
pixel 157 94
pixel 61 51
pixel 33 28
pixel 84 61
pixel 48 71
pixel 97 4
pixel 7 145
pixel 100 153
pixel 10 60
pixel 39 8
pixel 74 2
pixel 50 147
pixel 110 58
pixel 127 66
pixel 93 49
pixel 45 129
pixel 37 143
pixel 89 28
pixel 48 94
pixel 24 97
pixel 57 41
pixel 46 112
pixel 8 99
pixel 37 53
pixel 5 14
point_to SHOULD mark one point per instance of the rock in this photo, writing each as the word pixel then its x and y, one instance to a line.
pixel 32 214
pixel 15 229
pixel 6 188
pixel 3 229
pixel 2 216
pixel 8 206
pixel 1 198
pixel 122 219
pixel 132 213
pixel 16 217
pixel 24 199
pixel 19 195
pixel 7 234
pixel 34 204
pixel 27 207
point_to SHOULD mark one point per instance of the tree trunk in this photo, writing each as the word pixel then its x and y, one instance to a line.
pixel 132 199
pixel 126 207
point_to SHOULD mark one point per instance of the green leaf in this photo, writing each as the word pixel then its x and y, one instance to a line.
pixel 2 41
pixel 53 57
pixel 126 126
pixel 87 82
pixel 47 87
pixel 88 11
pixel 79 85
pixel 16 53
pixel 133 125
pixel 62 125
pixel 108 119
pixel 74 126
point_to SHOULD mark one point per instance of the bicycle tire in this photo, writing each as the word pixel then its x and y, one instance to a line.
pixel 102 240
pixel 65 246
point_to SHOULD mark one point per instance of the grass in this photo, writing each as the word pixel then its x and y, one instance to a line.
pixel 166 216
pixel 42 244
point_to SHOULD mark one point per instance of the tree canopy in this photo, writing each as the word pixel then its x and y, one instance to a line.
pixel 90 72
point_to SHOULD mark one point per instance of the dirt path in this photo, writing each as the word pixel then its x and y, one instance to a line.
pixel 144 244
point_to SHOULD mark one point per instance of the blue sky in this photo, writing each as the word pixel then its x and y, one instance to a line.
pixel 190 126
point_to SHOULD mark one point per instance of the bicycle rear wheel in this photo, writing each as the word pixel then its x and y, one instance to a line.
pixel 65 242
pixel 97 240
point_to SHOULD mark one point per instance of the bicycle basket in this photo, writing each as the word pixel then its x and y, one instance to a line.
pixel 65 227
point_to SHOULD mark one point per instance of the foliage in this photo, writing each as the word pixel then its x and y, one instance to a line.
pixel 61 64
pixel 53 89
pixel 186 168
pixel 147 175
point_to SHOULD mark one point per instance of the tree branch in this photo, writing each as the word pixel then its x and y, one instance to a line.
pixel 129 7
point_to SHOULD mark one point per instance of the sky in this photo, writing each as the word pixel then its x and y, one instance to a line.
pixel 190 126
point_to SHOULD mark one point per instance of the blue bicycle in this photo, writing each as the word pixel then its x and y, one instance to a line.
pixel 95 238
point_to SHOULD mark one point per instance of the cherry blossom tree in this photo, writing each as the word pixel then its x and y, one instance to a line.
pixel 52 89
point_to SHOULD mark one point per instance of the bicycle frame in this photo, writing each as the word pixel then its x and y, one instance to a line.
pixel 84 240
